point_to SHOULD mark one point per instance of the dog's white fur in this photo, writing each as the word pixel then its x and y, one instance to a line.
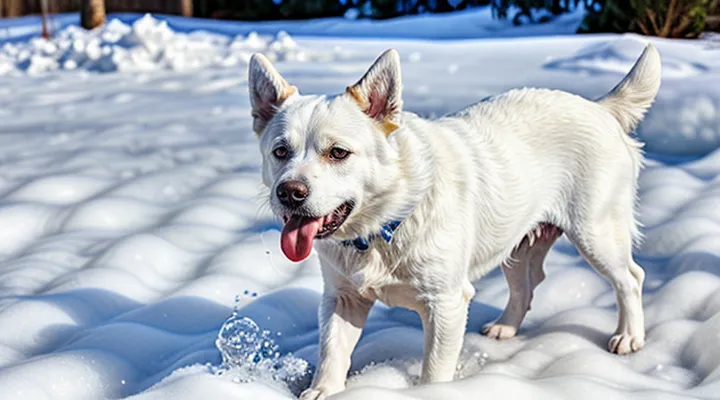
pixel 469 187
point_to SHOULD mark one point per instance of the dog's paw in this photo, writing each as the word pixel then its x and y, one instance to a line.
pixel 314 394
pixel 624 343
pixel 499 331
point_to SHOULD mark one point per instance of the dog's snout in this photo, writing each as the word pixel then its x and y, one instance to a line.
pixel 292 193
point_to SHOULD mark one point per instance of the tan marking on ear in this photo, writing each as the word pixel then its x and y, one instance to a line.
pixel 288 91
pixel 389 127
pixel 361 102
pixel 386 125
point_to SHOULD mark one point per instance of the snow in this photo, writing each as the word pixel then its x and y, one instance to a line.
pixel 137 259
pixel 145 45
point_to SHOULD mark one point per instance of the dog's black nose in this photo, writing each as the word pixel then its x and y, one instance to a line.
pixel 292 193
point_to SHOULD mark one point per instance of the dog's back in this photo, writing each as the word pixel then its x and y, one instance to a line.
pixel 546 155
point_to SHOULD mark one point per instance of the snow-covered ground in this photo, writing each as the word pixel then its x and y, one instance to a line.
pixel 131 227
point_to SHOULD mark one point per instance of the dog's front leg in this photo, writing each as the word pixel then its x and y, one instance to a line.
pixel 444 318
pixel 342 316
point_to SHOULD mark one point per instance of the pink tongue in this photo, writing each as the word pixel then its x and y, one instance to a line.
pixel 297 237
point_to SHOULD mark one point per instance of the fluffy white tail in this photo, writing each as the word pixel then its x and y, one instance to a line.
pixel 634 95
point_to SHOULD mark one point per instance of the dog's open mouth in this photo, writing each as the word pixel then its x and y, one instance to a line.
pixel 300 231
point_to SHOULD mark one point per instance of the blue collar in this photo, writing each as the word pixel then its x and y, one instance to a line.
pixel 386 232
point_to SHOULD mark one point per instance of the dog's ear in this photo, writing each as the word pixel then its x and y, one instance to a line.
pixel 379 92
pixel 268 90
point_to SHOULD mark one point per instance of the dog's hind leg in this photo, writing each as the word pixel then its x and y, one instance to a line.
pixel 607 246
pixel 524 272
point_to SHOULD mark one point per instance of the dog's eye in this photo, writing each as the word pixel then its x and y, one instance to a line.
pixel 280 152
pixel 337 153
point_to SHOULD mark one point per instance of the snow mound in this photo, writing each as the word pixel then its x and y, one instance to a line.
pixel 686 124
pixel 619 55
pixel 685 117
pixel 147 44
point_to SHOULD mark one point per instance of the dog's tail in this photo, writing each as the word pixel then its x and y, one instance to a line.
pixel 634 95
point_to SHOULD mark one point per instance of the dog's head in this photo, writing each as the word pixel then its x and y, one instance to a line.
pixel 328 161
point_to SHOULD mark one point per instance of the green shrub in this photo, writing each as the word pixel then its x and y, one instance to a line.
pixel 670 19
pixel 664 18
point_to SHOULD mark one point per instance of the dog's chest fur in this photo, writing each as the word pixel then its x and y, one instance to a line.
pixel 378 272
pixel 384 273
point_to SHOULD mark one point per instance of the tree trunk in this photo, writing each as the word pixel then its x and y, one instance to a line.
pixel 44 11
pixel 713 23
pixel 92 14
pixel 186 8
pixel 713 18
pixel 14 8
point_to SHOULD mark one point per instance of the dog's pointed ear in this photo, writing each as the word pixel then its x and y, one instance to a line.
pixel 379 92
pixel 268 90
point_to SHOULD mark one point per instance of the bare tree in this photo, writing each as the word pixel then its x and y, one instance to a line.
pixel 92 14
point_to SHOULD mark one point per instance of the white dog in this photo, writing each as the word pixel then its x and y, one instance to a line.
pixel 410 212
